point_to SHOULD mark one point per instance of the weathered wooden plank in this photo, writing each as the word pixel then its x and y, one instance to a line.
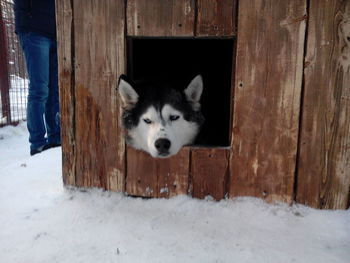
pixel 150 177
pixel 269 66
pixel 65 49
pixel 141 179
pixel 324 159
pixel 99 60
pixel 160 17
pixel 216 18
pixel 209 172
pixel 173 174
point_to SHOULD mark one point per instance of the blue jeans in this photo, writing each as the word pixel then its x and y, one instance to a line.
pixel 43 101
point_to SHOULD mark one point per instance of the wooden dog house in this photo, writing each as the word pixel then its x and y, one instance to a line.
pixel 288 98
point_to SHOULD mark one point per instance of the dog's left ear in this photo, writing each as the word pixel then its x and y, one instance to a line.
pixel 194 91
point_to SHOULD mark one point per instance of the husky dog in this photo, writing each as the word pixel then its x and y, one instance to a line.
pixel 158 118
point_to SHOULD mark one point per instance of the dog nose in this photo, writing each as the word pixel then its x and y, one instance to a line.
pixel 162 145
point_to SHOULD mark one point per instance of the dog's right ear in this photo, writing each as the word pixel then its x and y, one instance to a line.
pixel 127 93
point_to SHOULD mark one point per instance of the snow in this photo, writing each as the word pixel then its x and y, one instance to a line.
pixel 41 221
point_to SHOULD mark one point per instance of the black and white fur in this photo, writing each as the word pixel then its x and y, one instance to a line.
pixel 158 118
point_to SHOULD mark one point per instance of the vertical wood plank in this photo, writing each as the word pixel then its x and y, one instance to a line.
pixel 150 177
pixel 173 174
pixel 324 159
pixel 142 177
pixel 160 17
pixel 209 171
pixel 268 84
pixel 216 18
pixel 65 50
pixel 99 60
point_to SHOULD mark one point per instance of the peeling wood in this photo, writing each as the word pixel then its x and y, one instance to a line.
pixel 65 49
pixel 324 159
pixel 160 18
pixel 267 98
pixel 99 60
pixel 151 177
pixel 209 172
pixel 216 18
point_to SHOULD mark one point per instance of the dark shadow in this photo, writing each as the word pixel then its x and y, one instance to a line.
pixel 180 60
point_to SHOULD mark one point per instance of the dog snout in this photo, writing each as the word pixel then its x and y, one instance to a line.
pixel 162 145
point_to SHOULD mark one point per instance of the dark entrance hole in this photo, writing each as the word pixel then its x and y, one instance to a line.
pixel 182 59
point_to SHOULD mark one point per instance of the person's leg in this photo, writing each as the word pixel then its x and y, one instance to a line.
pixel 36 51
pixel 52 105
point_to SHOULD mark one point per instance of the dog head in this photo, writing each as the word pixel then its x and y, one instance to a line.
pixel 159 119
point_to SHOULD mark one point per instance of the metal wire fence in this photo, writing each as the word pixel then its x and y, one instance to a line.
pixel 13 75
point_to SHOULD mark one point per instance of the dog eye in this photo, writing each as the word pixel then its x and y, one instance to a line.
pixel 174 117
pixel 148 121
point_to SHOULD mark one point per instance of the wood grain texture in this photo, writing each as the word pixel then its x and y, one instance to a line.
pixel 269 64
pixel 209 172
pixel 216 18
pixel 65 50
pixel 160 17
pixel 324 159
pixel 150 177
pixel 99 60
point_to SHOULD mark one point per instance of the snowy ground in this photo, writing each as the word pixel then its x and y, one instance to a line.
pixel 41 221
